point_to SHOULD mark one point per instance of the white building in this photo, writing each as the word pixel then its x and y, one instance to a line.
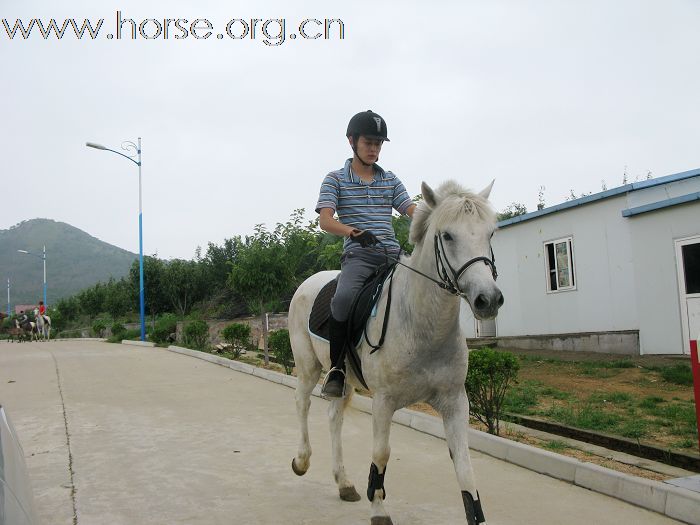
pixel 618 271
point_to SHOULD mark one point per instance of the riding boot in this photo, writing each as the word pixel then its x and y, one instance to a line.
pixel 334 383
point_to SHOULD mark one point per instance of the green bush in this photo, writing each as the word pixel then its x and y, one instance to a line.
pixel 128 335
pixel 281 348
pixel 196 334
pixel 489 376
pixel 98 327
pixel 165 325
pixel 679 374
pixel 238 336
pixel 117 329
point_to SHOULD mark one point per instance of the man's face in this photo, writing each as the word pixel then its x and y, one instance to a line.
pixel 368 149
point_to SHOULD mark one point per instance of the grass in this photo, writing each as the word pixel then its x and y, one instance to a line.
pixel 617 398
pixel 685 443
pixel 616 407
pixel 556 445
pixel 679 374
pixel 635 428
pixel 586 417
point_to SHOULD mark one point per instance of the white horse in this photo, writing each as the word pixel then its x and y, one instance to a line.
pixel 424 357
pixel 43 325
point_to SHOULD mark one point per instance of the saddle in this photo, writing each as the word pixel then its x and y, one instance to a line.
pixel 363 306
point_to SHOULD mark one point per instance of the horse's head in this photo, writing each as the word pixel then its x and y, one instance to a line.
pixel 457 225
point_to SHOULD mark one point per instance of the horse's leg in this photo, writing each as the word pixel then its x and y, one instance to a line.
pixel 308 372
pixel 382 412
pixel 336 411
pixel 455 416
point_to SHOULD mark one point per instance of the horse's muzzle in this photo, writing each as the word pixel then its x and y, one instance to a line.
pixel 486 305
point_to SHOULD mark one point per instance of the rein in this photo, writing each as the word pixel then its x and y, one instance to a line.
pixel 446 283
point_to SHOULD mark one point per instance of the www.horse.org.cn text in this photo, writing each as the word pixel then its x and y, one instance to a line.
pixel 270 31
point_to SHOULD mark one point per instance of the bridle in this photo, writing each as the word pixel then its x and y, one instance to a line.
pixel 447 282
pixel 450 280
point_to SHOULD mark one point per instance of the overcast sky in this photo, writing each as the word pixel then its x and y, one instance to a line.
pixel 560 94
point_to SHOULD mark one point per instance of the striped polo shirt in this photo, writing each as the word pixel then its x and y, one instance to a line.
pixel 365 205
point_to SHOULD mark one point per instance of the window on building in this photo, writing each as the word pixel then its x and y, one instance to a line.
pixel 559 256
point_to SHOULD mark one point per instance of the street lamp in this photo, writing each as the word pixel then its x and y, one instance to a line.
pixel 43 257
pixel 126 146
pixel 8 297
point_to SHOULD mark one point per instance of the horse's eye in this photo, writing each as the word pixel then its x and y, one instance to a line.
pixel 447 236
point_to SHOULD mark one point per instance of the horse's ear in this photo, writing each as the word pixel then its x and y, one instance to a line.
pixel 428 195
pixel 487 190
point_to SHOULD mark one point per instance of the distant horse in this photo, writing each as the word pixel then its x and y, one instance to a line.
pixel 15 331
pixel 29 330
pixel 424 357
pixel 43 325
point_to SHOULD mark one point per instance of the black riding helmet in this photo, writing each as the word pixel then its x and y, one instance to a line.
pixel 369 124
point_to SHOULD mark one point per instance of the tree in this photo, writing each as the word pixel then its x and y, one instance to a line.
pixel 218 260
pixel 329 252
pixel 301 245
pixel 153 278
pixel 512 210
pixel 262 273
pixel 118 298
pixel 183 284
pixel 402 227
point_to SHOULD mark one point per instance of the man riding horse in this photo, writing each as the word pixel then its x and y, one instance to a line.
pixel 363 195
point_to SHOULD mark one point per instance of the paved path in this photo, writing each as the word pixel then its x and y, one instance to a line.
pixel 131 435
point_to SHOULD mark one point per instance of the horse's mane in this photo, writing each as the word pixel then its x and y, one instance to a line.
pixel 452 202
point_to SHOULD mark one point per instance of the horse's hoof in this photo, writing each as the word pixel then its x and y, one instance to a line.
pixel 297 471
pixel 349 494
pixel 381 520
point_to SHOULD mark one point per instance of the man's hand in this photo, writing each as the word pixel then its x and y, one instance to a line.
pixel 364 237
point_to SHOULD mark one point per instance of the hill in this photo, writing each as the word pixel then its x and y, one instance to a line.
pixel 74 260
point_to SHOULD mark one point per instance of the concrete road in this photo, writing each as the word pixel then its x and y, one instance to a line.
pixel 128 435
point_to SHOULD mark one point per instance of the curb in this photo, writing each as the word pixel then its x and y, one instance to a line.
pixel 674 502
pixel 138 343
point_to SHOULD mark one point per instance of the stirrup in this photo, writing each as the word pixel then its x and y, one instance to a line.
pixel 325 383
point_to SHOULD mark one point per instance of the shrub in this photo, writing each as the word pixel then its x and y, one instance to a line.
pixel 164 326
pixel 679 374
pixel 281 348
pixel 489 376
pixel 196 334
pixel 238 336
pixel 132 334
pixel 117 329
pixel 99 327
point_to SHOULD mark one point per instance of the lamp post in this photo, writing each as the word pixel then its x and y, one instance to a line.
pixel 8 297
pixel 42 257
pixel 126 146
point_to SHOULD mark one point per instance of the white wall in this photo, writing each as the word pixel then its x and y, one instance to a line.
pixel 656 277
pixel 625 270
pixel 604 298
